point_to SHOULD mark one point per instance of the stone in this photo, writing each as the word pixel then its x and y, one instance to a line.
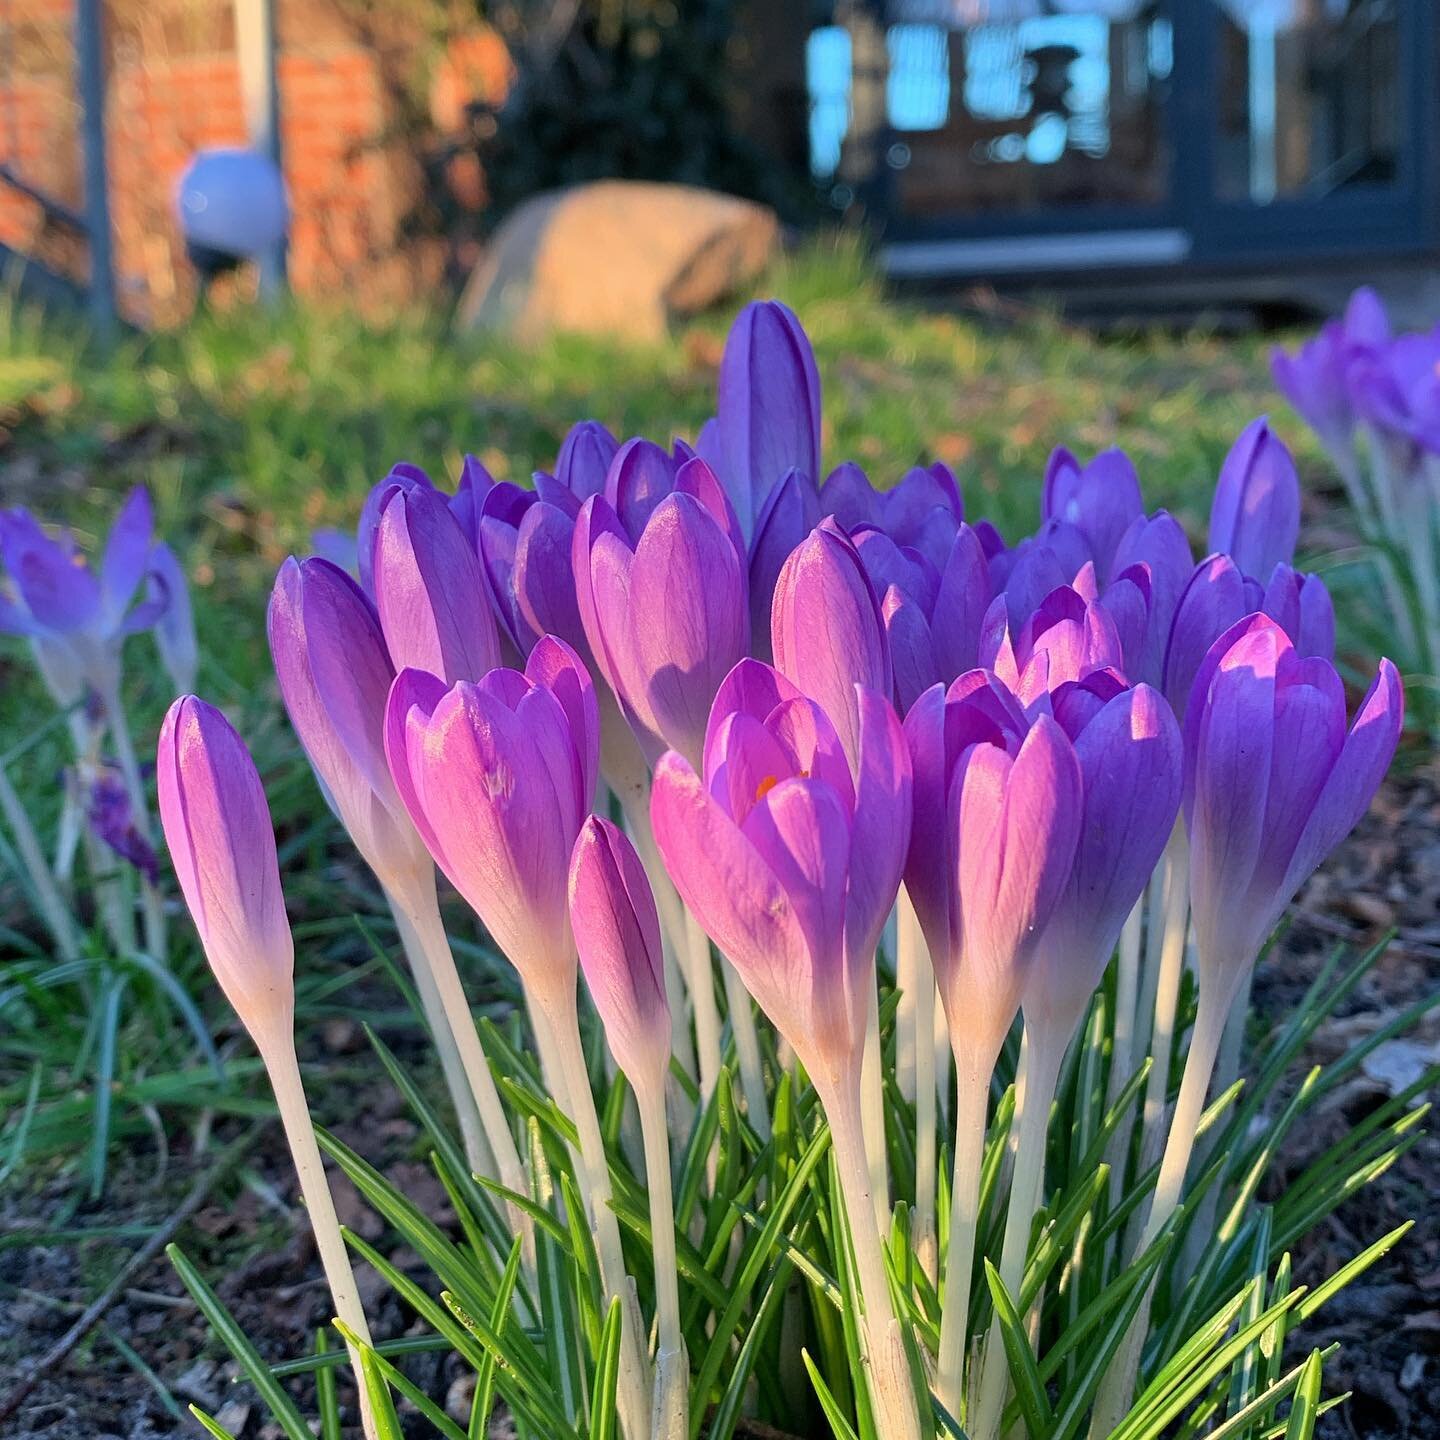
pixel 616 258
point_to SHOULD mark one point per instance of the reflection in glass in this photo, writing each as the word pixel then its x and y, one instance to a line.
pixel 1309 97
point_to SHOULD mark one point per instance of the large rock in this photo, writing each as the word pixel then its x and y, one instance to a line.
pixel 616 257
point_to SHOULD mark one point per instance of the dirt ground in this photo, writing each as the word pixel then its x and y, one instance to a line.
pixel 249 1236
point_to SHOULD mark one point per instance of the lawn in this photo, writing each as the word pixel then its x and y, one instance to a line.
pixel 253 429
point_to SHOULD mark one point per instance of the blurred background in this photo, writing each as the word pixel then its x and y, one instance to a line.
pixel 1142 153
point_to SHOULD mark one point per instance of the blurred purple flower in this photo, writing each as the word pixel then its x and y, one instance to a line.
pixel 113 820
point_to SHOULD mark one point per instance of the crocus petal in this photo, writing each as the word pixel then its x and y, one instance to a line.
pixel 881 833
pixel 557 667
pixel 1214 600
pixel 175 625
pixel 544 577
pixel 617 934
pixel 960 605
pixel 429 590
pixel 217 827
pixel 585 457
pixel 402 476
pixel 127 553
pixel 1255 517
pixel 912 647
pixel 640 476
pixel 791 510
pixel 848 497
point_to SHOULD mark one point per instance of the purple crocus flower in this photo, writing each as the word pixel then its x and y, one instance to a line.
pixel 1101 500
pixel 1129 752
pixel 77 619
pixel 1255 516
pixel 217 828
pixel 617 935
pixel 335 676
pixel 921 512
pixel 1158 543
pixel 428 589
pixel 497 777
pixel 112 818
pixel 768 408
pixel 175 626
pixel 789 865
pixel 997 821
pixel 466 503
pixel 827 630
pixel 1273 782
pixel 790 512
pixel 661 589
pixel 1397 389
pixel 585 457
pixel 1066 638
pixel 403 476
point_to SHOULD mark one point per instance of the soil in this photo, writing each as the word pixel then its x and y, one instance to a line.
pixel 250 1238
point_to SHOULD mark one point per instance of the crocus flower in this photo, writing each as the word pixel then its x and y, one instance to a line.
pixel 584 460
pixel 476 482
pixel 827 631
pixel 1255 516
pixel 1273 782
pixel 1065 639
pixel 428 589
pixel 1397 389
pixel 768 408
pixel 402 476
pixel 1128 748
pixel 789 865
pixel 175 625
pixel 217 828
pixel 997 821
pixel 335 676
pixel 1158 543
pixel 922 511
pixel 497 776
pixel 790 512
pixel 661 587
pixel 1100 499
pixel 617 934
pixel 77 620
pixel 112 818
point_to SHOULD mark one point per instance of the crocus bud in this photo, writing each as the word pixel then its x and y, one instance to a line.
pixel 1272 784
pixel 790 512
pixel 768 410
pixel 335 675
pixel 1129 753
pixel 402 476
pixel 923 511
pixel 428 590
pixel 476 483
pixel 849 499
pixel 175 627
pixel 664 608
pixel 1216 596
pixel 503 514
pixel 497 777
pixel 997 821
pixel 960 605
pixel 789 865
pixel 617 933
pixel 1101 500
pixel 1030 572
pixel 585 456
pixel 1396 388
pixel 1300 604
pixel 1157 542
pixel 1255 517
pixel 827 631
pixel 217 827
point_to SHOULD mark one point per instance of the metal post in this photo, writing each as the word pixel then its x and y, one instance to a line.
pixel 260 95
pixel 90 78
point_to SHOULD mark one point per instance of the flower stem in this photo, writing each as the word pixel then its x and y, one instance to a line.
pixel 747 1050
pixel 1167 997
pixel 872 1110
pixel 672 1367
pixel 907 1025
pixel 700 981
pixel 557 1013
pixel 1118 1386
pixel 51 904
pixel 914 959
pixel 418 904
pixel 892 1394
pixel 1044 1054
pixel 1122 1049
pixel 972 1095
pixel 284 1071
pixel 115 717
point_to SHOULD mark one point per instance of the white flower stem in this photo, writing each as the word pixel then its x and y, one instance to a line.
pixel 155 939
pixel 892 1393
pixel 416 901
pixel 672 1377
pixel 1167 996
pixel 283 1069
pixel 972 1095
pixel 1044 1054
pixel 1122 1048
pixel 914 959
pixel 556 1012
pixel 747 1050
pixel 1118 1386
pixel 700 981
pixel 908 1037
pixel 872 1110
pixel 51 904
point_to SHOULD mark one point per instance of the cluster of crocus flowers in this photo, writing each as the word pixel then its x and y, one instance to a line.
pixel 1372 397
pixel 76 619
pixel 805 694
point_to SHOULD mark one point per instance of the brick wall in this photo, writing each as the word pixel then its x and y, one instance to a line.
pixel 348 136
